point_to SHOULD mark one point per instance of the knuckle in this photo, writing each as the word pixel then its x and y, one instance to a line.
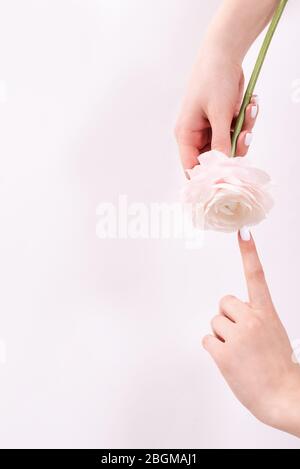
pixel 206 342
pixel 257 274
pixel 226 301
pixel 215 321
pixel 210 346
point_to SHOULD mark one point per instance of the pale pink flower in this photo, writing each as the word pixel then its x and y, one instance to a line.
pixel 230 193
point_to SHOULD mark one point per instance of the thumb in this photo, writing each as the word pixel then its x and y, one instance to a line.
pixel 221 136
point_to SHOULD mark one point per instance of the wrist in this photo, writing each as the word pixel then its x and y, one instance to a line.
pixel 236 26
pixel 217 59
pixel 219 43
pixel 284 408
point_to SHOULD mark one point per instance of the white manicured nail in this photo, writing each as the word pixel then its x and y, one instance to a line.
pixel 248 139
pixel 254 111
pixel 255 99
pixel 245 234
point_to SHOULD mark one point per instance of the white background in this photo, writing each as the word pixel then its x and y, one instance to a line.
pixel 103 338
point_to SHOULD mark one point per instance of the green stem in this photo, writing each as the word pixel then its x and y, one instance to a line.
pixel 255 74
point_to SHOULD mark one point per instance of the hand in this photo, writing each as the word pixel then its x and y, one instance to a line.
pixel 212 102
pixel 252 350
pixel 215 92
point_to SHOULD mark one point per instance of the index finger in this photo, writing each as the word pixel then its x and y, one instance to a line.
pixel 258 290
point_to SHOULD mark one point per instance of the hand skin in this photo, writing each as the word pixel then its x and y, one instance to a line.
pixel 216 86
pixel 252 350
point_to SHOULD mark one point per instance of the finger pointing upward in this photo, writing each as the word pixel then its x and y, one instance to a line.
pixel 259 295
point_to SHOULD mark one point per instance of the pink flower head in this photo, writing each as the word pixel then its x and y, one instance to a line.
pixel 230 193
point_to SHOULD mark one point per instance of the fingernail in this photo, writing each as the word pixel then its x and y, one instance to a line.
pixel 248 139
pixel 245 234
pixel 255 99
pixel 254 110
